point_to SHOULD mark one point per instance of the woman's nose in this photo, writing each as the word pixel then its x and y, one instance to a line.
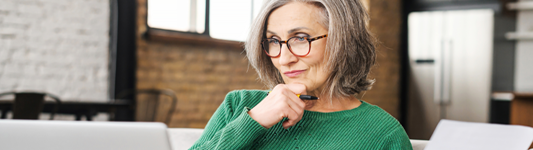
pixel 286 58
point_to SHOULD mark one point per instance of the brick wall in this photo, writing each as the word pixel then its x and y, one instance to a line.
pixel 385 24
pixel 202 75
pixel 57 46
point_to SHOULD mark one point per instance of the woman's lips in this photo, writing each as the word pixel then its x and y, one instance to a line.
pixel 293 73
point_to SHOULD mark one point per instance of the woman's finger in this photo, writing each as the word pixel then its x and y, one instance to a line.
pixel 292 118
pixel 297 88
pixel 295 102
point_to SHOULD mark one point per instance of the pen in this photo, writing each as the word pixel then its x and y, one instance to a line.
pixel 305 97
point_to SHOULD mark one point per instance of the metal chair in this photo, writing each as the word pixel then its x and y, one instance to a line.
pixel 147 107
pixel 28 105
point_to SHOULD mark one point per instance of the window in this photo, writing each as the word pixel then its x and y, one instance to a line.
pixel 228 19
pixel 177 15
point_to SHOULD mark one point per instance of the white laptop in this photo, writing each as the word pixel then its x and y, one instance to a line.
pixel 76 135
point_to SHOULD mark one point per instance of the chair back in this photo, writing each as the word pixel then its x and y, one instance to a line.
pixel 153 104
pixel 28 105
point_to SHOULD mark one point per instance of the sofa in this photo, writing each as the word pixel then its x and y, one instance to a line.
pixel 183 138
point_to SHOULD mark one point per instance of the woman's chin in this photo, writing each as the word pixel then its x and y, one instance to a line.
pixel 294 81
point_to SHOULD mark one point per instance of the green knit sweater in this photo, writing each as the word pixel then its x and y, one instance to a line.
pixel 362 128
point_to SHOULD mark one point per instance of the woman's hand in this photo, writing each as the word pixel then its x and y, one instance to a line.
pixel 282 102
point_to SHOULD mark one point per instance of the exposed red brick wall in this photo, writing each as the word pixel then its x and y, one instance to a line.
pixel 385 24
pixel 200 75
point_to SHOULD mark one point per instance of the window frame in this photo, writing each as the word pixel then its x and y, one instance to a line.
pixel 165 35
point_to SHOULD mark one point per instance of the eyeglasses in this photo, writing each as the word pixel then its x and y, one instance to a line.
pixel 299 46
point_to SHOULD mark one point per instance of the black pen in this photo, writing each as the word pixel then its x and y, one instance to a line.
pixel 305 97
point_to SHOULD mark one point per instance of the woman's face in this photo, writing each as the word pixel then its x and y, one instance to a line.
pixel 300 20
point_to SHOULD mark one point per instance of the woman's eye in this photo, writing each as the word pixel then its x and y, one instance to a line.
pixel 301 38
pixel 274 41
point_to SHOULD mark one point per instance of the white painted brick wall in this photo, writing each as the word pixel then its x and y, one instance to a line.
pixel 56 46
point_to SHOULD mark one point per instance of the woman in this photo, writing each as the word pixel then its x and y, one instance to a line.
pixel 310 47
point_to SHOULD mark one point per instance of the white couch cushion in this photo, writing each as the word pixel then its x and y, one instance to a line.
pixel 184 138
pixel 419 144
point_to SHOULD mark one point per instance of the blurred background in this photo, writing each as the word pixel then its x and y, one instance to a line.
pixel 173 61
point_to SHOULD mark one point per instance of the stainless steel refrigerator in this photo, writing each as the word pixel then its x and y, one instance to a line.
pixel 450 63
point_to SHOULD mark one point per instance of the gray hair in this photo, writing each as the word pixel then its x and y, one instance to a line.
pixel 350 49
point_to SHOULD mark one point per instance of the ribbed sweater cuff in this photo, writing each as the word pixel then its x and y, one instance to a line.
pixel 250 128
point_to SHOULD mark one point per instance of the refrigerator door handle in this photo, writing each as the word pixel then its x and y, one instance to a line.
pixel 443 73
pixel 424 61
pixel 447 74
pixel 437 89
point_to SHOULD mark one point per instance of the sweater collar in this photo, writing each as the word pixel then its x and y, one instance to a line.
pixel 337 114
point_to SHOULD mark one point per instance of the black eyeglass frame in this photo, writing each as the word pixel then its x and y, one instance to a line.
pixel 289 46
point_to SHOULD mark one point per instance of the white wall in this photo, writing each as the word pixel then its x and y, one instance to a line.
pixel 57 46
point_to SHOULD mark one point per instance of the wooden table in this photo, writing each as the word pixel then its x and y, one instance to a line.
pixel 522 110
pixel 77 108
